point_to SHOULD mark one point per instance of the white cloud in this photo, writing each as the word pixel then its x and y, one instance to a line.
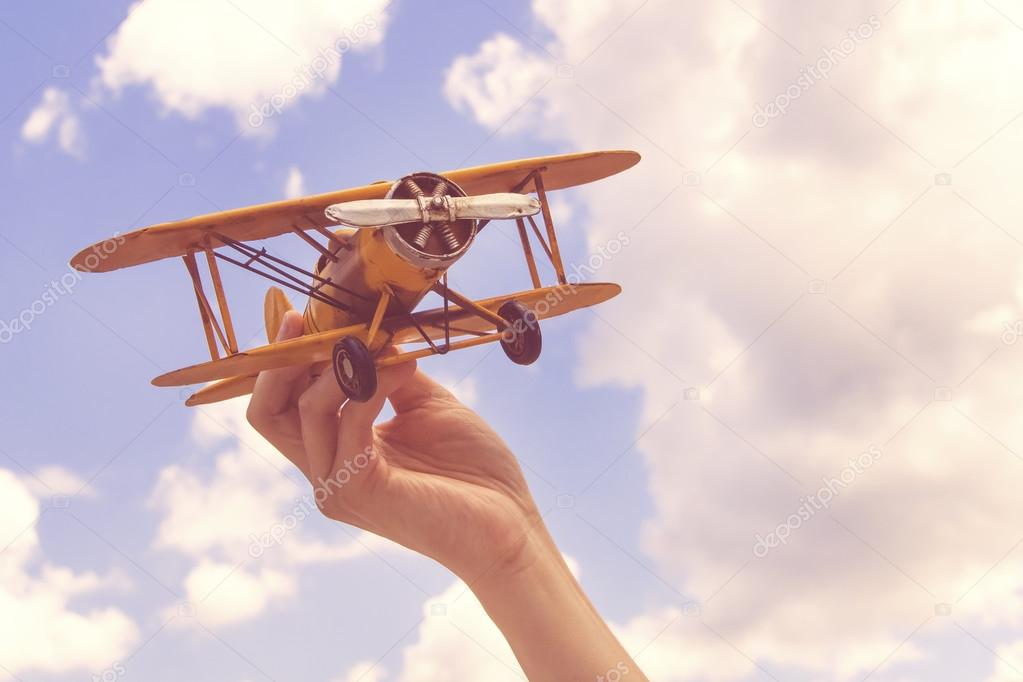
pixel 224 593
pixel 1009 667
pixel 456 641
pixel 239 56
pixel 243 523
pixel 294 186
pixel 671 646
pixel 465 388
pixel 56 480
pixel 734 237
pixel 55 113
pixel 39 630
pixel 365 671
pixel 496 82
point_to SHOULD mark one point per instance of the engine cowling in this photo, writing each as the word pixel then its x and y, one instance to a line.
pixel 407 258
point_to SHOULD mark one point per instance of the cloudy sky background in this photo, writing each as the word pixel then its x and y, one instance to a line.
pixel 800 288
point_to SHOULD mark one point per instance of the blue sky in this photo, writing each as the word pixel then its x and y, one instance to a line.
pixel 819 266
pixel 83 399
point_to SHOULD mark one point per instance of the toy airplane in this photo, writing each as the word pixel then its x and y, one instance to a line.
pixel 387 245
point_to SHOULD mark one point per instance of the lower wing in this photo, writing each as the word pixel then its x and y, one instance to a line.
pixel 237 372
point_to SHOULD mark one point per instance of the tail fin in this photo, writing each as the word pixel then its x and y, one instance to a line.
pixel 274 306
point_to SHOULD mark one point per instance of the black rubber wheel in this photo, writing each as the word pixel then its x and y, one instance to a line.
pixel 354 369
pixel 521 339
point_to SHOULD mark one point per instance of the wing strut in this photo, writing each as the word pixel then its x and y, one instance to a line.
pixel 553 251
pixel 282 272
pixel 264 264
pixel 225 312
pixel 210 325
pixel 434 348
pixel 528 251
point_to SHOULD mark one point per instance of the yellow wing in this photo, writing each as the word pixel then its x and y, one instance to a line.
pixel 544 302
pixel 225 389
pixel 269 220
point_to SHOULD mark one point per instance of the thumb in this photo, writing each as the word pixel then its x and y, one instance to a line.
pixel 291 326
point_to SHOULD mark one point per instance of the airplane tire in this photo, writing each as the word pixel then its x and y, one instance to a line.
pixel 354 369
pixel 521 341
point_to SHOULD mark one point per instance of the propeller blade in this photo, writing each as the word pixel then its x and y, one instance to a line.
pixel 501 206
pixel 380 212
pixel 375 212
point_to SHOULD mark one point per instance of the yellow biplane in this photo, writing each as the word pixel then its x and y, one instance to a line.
pixel 385 247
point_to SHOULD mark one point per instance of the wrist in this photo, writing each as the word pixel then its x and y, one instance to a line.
pixel 552 627
pixel 535 560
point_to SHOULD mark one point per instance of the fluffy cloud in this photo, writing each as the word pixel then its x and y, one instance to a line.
pixel 54 116
pixel 242 521
pixel 365 671
pixel 56 480
pixel 841 275
pixel 500 79
pixel 457 641
pixel 465 388
pixel 39 629
pixel 1010 663
pixel 228 594
pixel 294 185
pixel 250 57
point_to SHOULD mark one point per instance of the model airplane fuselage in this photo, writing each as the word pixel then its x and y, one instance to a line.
pixel 386 246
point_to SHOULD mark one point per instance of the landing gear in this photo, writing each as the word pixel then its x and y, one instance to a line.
pixel 521 339
pixel 354 369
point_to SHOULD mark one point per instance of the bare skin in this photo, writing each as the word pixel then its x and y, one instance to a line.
pixel 438 480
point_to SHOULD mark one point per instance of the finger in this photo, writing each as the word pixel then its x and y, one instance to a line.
pixel 416 391
pixel 318 411
pixel 273 390
pixel 355 440
pixel 272 410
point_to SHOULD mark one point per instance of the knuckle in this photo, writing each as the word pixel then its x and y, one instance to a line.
pixel 335 511
pixel 310 404
pixel 256 417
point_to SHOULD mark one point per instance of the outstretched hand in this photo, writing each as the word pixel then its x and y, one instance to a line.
pixel 435 478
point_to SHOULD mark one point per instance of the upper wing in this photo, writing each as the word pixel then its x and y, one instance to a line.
pixel 545 302
pixel 269 220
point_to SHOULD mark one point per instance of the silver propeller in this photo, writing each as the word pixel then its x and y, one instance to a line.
pixel 435 209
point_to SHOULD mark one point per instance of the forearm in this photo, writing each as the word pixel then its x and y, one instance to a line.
pixel 552 627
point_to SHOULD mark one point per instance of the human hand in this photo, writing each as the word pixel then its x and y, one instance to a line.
pixel 438 480
pixel 435 478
